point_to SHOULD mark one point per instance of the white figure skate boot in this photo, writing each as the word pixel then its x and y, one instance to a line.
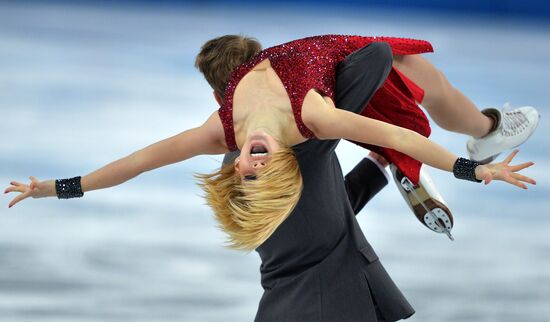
pixel 425 201
pixel 513 127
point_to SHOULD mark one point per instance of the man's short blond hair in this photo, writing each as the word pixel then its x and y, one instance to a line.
pixel 250 211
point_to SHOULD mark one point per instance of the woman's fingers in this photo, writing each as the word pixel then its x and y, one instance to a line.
pixel 514 181
pixel 19 188
pixel 521 166
pixel 522 178
pixel 510 156
pixel 18 198
pixel 10 189
pixel 25 190
pixel 504 172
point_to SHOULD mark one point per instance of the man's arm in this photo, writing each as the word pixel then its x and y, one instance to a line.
pixel 357 79
pixel 362 183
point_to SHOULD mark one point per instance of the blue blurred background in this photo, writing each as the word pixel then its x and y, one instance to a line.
pixel 85 84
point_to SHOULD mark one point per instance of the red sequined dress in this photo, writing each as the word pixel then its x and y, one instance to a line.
pixel 311 62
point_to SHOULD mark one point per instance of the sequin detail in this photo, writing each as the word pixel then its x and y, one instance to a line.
pixel 310 63
pixel 465 169
pixel 68 188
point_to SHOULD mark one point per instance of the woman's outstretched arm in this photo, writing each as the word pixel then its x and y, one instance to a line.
pixel 329 122
pixel 205 139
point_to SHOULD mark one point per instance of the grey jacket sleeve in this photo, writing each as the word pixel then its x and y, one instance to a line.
pixel 230 157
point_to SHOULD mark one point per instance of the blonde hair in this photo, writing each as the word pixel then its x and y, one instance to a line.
pixel 218 58
pixel 250 211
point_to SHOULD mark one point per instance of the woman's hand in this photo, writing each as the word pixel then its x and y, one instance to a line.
pixel 504 172
pixel 36 189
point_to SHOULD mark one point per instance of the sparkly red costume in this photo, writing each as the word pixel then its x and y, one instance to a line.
pixel 311 62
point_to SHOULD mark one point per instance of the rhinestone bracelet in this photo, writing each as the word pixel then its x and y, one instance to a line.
pixel 68 188
pixel 465 169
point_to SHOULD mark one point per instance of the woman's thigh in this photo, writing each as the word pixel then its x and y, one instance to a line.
pixel 424 74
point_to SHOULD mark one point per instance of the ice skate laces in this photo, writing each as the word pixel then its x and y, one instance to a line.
pixel 513 121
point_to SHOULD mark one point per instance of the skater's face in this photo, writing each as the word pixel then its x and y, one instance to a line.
pixel 255 154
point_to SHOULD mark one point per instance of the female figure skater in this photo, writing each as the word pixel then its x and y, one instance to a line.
pixel 316 265
pixel 284 95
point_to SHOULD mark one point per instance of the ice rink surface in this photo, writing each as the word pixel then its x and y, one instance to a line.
pixel 81 86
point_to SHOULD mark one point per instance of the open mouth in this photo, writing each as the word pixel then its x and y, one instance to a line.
pixel 258 150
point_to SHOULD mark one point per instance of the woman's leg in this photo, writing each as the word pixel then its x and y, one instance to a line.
pixel 447 106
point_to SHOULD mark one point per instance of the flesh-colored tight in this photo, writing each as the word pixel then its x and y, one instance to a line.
pixel 446 105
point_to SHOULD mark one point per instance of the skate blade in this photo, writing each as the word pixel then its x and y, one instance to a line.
pixel 436 219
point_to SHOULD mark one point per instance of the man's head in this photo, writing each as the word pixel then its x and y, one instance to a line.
pixel 220 56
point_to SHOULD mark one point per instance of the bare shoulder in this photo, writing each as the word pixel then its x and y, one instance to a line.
pixel 317 112
pixel 264 64
pixel 213 131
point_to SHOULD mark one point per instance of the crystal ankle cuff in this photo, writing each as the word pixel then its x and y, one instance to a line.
pixel 68 188
pixel 465 169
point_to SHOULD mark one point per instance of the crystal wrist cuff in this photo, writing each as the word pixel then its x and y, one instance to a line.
pixel 68 188
pixel 465 169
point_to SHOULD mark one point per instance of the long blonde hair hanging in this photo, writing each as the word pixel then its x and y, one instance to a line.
pixel 250 211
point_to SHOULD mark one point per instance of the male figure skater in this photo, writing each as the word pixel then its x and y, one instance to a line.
pixel 358 78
